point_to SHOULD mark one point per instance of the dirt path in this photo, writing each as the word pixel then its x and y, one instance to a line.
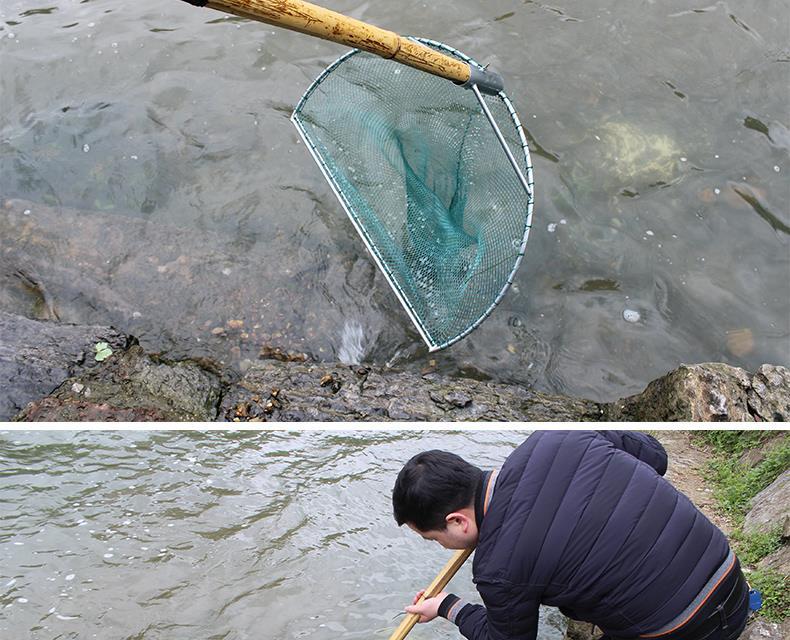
pixel 687 463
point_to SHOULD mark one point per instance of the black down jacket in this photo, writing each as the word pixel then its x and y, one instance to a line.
pixel 584 521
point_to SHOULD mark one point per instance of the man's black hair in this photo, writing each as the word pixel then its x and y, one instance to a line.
pixel 431 485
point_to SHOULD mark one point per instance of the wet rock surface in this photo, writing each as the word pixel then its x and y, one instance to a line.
pixel 710 392
pixel 132 386
pixel 36 357
pixel 280 386
pixel 295 391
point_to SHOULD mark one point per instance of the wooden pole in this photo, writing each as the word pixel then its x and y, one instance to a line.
pixel 322 23
pixel 439 583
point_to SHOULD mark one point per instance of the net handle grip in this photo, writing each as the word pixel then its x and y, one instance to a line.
pixel 439 582
pixel 313 20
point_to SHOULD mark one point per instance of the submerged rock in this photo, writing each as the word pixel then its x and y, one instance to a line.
pixel 624 155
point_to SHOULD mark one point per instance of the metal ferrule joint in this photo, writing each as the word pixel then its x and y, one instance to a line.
pixel 487 80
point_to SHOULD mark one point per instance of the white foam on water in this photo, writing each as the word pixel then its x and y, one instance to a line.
pixel 352 343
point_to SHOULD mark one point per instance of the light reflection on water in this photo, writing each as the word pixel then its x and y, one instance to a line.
pixel 182 203
pixel 272 536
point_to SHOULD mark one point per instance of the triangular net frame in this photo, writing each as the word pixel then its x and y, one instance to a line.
pixel 418 169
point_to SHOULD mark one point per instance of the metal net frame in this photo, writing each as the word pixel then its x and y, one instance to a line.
pixel 416 165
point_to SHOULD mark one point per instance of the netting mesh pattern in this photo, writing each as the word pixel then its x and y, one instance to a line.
pixel 418 168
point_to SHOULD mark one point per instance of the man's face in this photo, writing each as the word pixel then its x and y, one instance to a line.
pixel 453 536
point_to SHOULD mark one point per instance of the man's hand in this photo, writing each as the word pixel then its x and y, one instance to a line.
pixel 427 609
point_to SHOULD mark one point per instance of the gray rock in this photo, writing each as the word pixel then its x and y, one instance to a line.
pixel 779 560
pixel 36 356
pixel 132 386
pixel 770 507
pixel 768 396
pixel 761 629
pixel 328 392
pixel 710 392
pixel 754 456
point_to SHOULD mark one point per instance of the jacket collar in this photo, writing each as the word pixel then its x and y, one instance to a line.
pixel 485 491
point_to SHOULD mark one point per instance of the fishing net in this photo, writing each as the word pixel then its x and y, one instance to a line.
pixel 418 168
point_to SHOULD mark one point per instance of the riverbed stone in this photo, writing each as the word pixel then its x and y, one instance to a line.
pixel 132 386
pixel 710 392
pixel 37 355
pixel 380 394
pixel 770 507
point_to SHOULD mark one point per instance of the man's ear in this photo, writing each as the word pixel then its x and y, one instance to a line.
pixel 456 517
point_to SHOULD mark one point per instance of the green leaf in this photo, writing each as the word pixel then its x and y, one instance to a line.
pixel 103 351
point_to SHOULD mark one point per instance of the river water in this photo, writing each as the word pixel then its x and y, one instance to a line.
pixel 218 535
pixel 168 194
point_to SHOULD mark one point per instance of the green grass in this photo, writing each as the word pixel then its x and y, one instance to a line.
pixel 734 486
pixel 775 589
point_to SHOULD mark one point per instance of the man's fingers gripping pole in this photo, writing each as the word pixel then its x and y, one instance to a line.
pixel 439 583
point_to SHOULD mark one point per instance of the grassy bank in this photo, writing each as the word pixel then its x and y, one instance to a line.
pixel 735 483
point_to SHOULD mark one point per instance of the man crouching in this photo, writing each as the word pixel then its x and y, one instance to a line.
pixel 579 520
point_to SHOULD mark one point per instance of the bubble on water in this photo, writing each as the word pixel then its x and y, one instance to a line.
pixel 649 232
pixel 26 212
pixel 563 221
pixel 60 617
pixel 551 227
pixel 776 168
pixel 70 577
pixel 108 555
pixel 22 600
pixel 629 315
pixel 86 147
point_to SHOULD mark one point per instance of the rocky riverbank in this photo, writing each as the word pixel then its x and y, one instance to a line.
pixel 54 371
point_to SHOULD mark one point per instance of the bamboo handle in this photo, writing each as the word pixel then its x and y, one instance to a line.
pixel 439 583
pixel 329 25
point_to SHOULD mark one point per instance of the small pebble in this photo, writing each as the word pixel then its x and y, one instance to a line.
pixel 552 227
pixel 86 147
pixel 629 315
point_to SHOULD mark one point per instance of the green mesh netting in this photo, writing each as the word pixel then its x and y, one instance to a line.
pixel 419 170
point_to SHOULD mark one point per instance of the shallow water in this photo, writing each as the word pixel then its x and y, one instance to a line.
pixel 659 133
pixel 186 535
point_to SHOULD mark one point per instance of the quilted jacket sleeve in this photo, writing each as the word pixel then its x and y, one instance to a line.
pixel 640 445
pixel 508 614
